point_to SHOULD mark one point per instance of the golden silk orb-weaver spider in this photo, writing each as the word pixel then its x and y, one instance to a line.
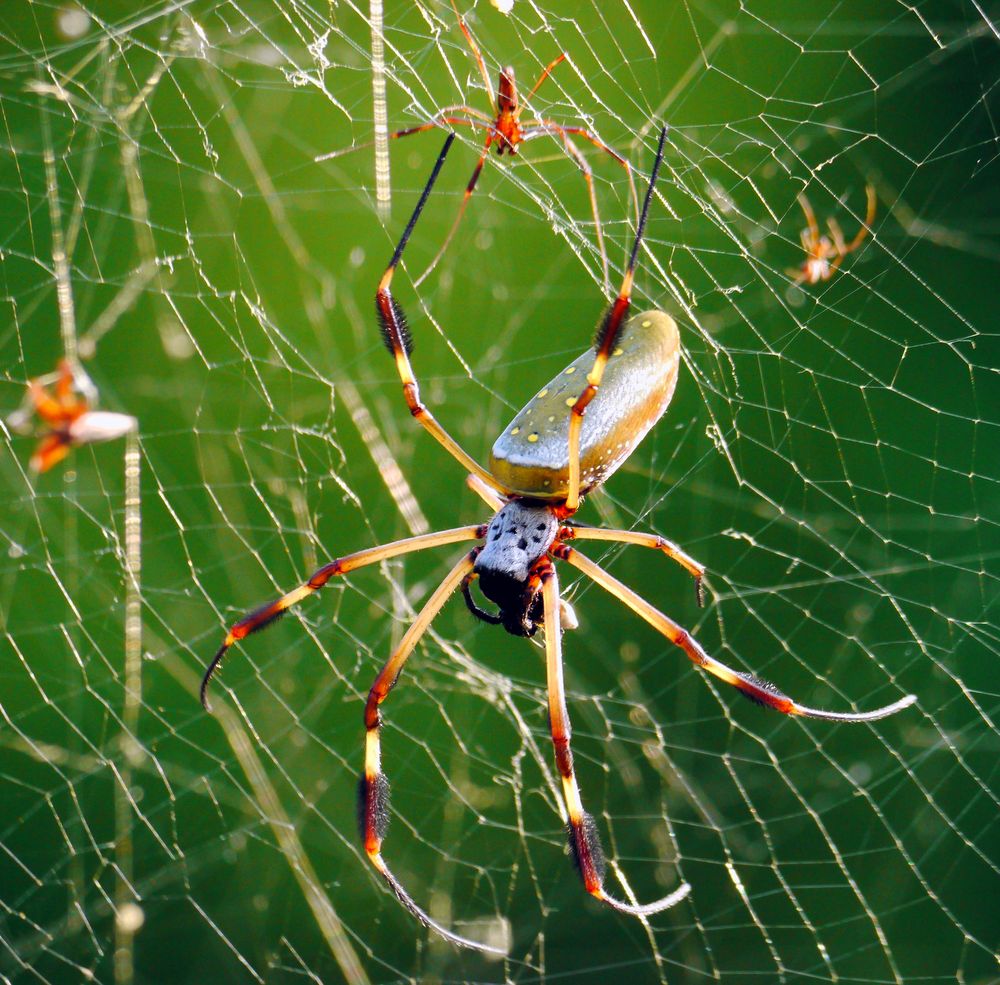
pixel 824 254
pixel 505 132
pixel 565 442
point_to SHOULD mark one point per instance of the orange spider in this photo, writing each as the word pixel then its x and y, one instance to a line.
pixel 69 417
pixel 505 133
pixel 824 254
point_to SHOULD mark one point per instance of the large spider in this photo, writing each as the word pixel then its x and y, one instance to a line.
pixel 505 133
pixel 824 254
pixel 566 441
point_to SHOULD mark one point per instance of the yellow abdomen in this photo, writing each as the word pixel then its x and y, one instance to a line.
pixel 531 456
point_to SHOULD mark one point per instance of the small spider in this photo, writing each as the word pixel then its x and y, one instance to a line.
pixel 505 132
pixel 824 254
pixel 70 420
pixel 565 442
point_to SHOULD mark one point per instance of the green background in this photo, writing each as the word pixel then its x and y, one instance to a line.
pixel 830 455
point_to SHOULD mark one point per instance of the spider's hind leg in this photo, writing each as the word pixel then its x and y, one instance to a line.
pixel 759 691
pixel 584 840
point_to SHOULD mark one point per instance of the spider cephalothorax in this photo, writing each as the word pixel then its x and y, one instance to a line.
pixel 516 539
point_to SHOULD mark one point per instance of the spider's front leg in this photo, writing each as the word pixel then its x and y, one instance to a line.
pixel 266 615
pixel 584 840
pixel 396 334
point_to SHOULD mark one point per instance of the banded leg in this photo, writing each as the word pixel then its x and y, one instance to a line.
pixel 640 539
pixel 263 617
pixel 373 788
pixel 584 841
pixel 396 335
pixel 604 342
pixel 758 691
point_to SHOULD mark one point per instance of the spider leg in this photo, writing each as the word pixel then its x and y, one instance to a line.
pixel 600 145
pixel 51 450
pixel 64 384
pixel 478 120
pixel 263 617
pixel 546 72
pixel 842 248
pixel 584 841
pixel 396 335
pixel 65 405
pixel 444 117
pixel 373 788
pixel 484 492
pixel 588 177
pixel 759 691
pixel 469 189
pixel 807 211
pixel 640 539
pixel 479 58
pixel 604 342
pixel 50 410
pixel 872 205
pixel 837 235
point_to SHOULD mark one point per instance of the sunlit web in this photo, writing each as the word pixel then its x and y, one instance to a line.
pixel 830 456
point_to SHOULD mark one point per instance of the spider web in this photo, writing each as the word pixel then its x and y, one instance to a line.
pixel 830 455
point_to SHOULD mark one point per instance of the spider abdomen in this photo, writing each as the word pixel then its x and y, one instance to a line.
pixel 531 456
